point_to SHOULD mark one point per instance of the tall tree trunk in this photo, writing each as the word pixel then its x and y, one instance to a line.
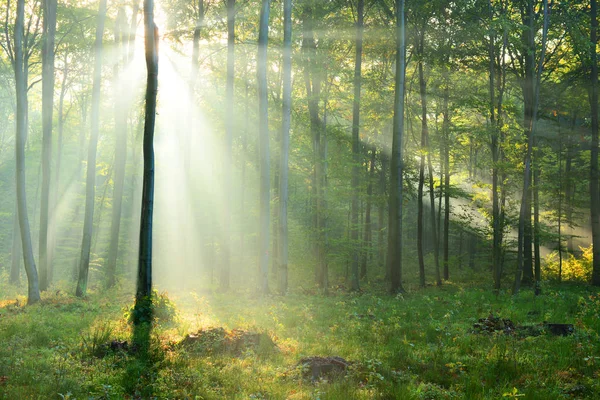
pixel 49 11
pixel 381 217
pixel 560 202
pixel 16 252
pixel 265 192
pixel 275 217
pixel 88 221
pixel 594 190
pixel 57 168
pixel 367 233
pixel 569 183
pixel 434 229
pixel 120 150
pixel 525 205
pixel 312 80
pixel 528 86
pixel 537 272
pixel 496 241
pixel 33 295
pixel 285 145
pixel 229 127
pixel 243 174
pixel 356 153
pixel 144 282
pixel 420 214
pixel 396 181
pixel 446 129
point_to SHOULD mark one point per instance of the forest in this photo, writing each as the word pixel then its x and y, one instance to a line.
pixel 299 199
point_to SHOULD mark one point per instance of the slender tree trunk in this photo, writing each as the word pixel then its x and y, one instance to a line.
pixel 120 150
pixel 396 181
pixel 356 143
pixel 496 241
pixel 229 127
pixel 424 129
pixel 59 147
pixel 536 224
pixel 446 128
pixel 569 184
pixel 275 217
pixel 33 295
pixel 312 79
pixel 381 217
pixel 285 146
pixel 265 192
pixel 367 233
pixel 244 152
pixel 560 205
pixel 594 175
pixel 84 262
pixel 525 205
pixel 17 252
pixel 434 229
pixel 144 282
pixel 49 11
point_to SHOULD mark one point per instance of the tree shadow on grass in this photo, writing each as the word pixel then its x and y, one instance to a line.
pixel 141 371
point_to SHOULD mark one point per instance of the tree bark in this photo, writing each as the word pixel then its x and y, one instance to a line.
pixel 420 214
pixel 312 80
pixel 285 146
pixel 397 164
pixel 144 283
pixel 120 149
pixel 84 262
pixel 356 153
pixel 16 252
pixel 49 29
pixel 367 233
pixel 33 295
pixel 224 276
pixel 265 192
pixel 525 204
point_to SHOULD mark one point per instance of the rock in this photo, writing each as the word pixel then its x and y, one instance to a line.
pixel 317 367
pixel 219 340
pixel 560 329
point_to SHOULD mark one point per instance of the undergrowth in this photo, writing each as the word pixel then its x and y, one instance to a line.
pixel 420 345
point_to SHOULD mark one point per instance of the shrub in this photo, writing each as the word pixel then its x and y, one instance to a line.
pixel 163 309
pixel 573 269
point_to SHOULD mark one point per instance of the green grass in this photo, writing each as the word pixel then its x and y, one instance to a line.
pixel 416 346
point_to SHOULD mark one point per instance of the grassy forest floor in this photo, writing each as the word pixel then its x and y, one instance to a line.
pixel 421 345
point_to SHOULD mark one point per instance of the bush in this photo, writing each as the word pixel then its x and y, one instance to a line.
pixel 163 310
pixel 573 269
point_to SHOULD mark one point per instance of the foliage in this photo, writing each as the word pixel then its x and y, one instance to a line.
pixel 574 268
pixel 417 346
pixel 160 307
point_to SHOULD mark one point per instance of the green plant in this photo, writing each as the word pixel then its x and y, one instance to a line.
pixel 93 342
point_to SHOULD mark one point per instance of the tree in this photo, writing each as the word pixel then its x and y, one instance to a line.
pixel 229 127
pixel 525 208
pixel 49 27
pixel 313 80
pixel 86 244
pixel 263 111
pixel 356 152
pixel 397 164
pixel 285 146
pixel 594 175
pixel 121 40
pixel 144 282
pixel 33 295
